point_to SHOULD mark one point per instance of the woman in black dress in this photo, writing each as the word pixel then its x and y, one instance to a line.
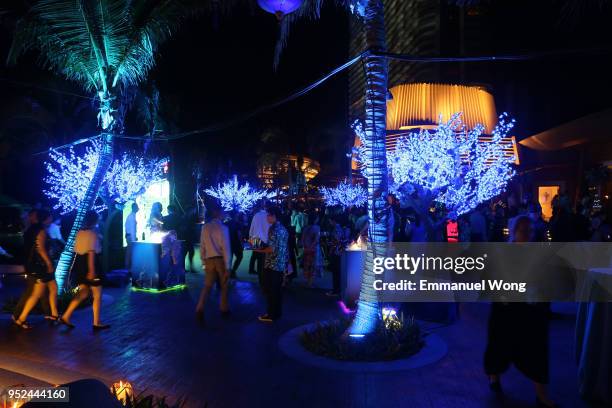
pixel 39 266
pixel 518 334
pixel 88 275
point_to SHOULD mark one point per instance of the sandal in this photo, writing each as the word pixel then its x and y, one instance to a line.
pixel 52 318
pixel 97 327
pixel 66 323
pixel 23 325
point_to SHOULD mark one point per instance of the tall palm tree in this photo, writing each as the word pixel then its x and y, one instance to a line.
pixel 107 46
pixel 376 69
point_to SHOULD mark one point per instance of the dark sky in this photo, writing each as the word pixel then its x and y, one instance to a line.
pixel 208 76
pixel 216 75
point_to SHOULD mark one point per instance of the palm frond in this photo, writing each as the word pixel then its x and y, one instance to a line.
pixel 98 43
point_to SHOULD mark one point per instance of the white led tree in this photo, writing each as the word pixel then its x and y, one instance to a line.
pixel 236 197
pixel 451 164
pixel 345 195
pixel 69 176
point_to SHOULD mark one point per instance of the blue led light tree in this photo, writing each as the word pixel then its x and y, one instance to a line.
pixel 452 164
pixel 107 46
pixel 69 175
pixel 236 197
pixel 345 195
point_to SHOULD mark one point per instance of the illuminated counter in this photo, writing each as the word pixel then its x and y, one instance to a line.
pixel 158 266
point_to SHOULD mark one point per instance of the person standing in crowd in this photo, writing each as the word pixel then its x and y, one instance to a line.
pixel 337 245
pixel 215 252
pixel 258 234
pixel 540 227
pixel 518 334
pixel 478 225
pixel 190 230
pixel 311 236
pixel 87 270
pixel 131 234
pixel 56 241
pixel 156 220
pixel 39 266
pixel 276 259
pixel 172 221
pixel 235 232
pixel 298 222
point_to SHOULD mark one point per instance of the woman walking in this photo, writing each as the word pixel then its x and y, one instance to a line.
pixel 518 334
pixel 40 267
pixel 88 275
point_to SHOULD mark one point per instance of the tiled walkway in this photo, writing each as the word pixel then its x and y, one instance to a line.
pixel 155 343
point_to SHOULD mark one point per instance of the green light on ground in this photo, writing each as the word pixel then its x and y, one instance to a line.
pixel 152 290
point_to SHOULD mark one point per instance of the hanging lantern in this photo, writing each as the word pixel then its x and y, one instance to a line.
pixel 123 391
pixel 279 7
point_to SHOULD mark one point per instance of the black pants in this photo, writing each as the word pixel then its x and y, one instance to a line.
pixel 237 252
pixel 258 257
pixel 272 284
pixel 334 268
pixel 44 301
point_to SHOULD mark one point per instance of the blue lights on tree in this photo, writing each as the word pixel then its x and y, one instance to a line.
pixel 345 195
pixel 452 164
pixel 236 197
pixel 69 175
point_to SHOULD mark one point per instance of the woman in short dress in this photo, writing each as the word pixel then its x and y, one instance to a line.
pixel 39 266
pixel 88 275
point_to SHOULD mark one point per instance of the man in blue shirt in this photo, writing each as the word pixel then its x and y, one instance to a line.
pixel 275 265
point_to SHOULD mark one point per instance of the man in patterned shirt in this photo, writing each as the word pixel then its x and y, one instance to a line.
pixel 275 265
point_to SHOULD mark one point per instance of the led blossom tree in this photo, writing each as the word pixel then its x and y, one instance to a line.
pixel 69 175
pixel 236 197
pixel 450 164
pixel 345 195
pixel 107 47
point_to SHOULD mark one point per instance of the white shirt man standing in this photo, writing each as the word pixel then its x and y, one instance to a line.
pixel 131 234
pixel 259 231
pixel 215 252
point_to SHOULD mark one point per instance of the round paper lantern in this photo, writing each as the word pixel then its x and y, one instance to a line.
pixel 279 7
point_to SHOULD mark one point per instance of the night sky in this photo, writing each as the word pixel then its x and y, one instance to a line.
pixel 206 76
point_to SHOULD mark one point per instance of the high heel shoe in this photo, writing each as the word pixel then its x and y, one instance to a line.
pixel 22 325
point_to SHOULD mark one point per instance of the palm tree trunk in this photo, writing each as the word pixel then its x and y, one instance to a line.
pixel 375 132
pixel 66 258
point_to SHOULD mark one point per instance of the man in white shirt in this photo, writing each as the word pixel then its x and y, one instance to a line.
pixel 259 231
pixel 215 252
pixel 131 235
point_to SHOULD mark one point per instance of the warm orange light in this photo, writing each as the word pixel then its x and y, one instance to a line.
pixel 545 197
pixel 421 104
pixel 123 391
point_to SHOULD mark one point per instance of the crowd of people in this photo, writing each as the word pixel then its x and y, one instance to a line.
pixel 306 238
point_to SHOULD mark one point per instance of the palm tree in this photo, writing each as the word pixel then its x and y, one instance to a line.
pixel 107 46
pixel 376 68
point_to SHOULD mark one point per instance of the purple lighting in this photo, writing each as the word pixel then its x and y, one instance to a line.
pixel 279 7
pixel 344 308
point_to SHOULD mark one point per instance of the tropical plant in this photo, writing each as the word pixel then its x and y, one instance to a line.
pixel 106 46
pixel 376 76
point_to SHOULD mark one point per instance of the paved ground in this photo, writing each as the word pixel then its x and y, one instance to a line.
pixel 155 343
